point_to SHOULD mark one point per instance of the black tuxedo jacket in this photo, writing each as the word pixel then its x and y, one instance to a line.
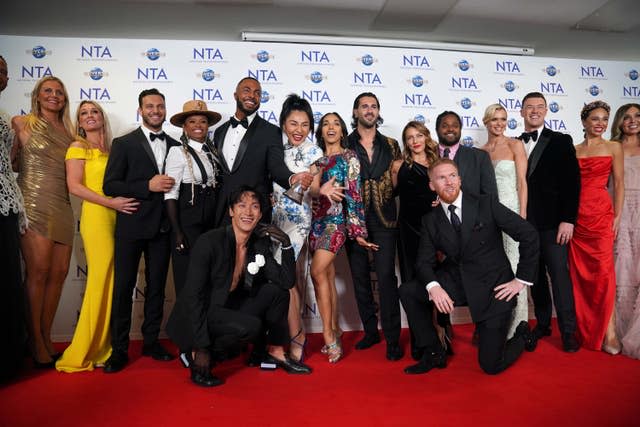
pixel 476 171
pixel 553 180
pixel 130 166
pixel 259 162
pixel 209 279
pixel 475 261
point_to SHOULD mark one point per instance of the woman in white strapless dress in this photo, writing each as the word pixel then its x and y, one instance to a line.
pixel 510 163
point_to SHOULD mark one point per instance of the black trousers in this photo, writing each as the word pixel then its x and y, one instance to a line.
pixel 248 316
pixel 13 333
pixel 194 220
pixel 495 353
pixel 554 259
pixel 385 267
pixel 127 257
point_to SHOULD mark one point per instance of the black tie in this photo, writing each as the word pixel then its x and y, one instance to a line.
pixel 445 153
pixel 526 136
pixel 235 122
pixel 153 136
pixel 455 219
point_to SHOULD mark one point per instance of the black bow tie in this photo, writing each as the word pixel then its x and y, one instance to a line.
pixel 526 136
pixel 153 136
pixel 235 122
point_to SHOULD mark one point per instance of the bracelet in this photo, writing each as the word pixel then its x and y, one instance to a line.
pixel 284 248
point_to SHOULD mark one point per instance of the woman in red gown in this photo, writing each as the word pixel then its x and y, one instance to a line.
pixel 591 249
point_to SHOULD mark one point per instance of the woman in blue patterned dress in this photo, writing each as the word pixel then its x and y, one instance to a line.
pixel 296 122
pixel 339 214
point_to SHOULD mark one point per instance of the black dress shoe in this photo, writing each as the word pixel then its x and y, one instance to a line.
pixel 367 341
pixel 157 352
pixel 429 361
pixel 115 363
pixel 394 352
pixel 289 365
pixel 204 378
pixel 523 332
pixel 541 331
pixel 570 343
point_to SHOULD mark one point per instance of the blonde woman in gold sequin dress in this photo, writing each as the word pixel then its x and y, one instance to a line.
pixel 86 160
pixel 43 138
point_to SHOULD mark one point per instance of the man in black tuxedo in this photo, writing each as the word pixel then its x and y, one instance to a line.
pixel 235 291
pixel 251 151
pixel 553 180
pixel 376 153
pixel 467 229
pixel 136 169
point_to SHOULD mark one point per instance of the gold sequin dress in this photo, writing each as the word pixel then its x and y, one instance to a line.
pixel 42 180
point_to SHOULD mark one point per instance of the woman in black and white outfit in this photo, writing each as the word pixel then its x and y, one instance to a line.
pixel 194 167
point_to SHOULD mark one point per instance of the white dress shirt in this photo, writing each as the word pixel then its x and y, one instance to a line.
pixel 158 146
pixel 178 169
pixel 529 146
pixel 232 141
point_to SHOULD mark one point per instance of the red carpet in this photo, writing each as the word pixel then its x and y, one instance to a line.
pixel 545 388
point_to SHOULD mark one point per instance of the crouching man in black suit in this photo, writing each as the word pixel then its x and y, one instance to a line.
pixel 235 291
pixel 467 230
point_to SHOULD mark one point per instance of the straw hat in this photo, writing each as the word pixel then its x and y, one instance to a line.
pixel 192 108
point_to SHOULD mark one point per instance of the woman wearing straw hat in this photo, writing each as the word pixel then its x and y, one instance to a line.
pixel 194 167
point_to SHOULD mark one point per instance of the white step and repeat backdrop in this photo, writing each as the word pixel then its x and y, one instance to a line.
pixel 411 84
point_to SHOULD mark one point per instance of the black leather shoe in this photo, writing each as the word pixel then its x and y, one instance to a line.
pixel 570 343
pixel 289 365
pixel 394 352
pixel 44 365
pixel 429 361
pixel 157 352
pixel 115 363
pixel 541 331
pixel 205 378
pixel 367 341
pixel 523 332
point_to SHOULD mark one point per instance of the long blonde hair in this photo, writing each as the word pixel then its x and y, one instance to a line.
pixel 106 128
pixel 616 129
pixel 36 112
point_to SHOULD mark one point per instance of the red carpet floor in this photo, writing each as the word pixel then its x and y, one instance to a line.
pixel 545 388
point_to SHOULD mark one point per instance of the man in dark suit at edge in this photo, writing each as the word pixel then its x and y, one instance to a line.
pixel 251 151
pixel 467 229
pixel 553 181
pixel 136 169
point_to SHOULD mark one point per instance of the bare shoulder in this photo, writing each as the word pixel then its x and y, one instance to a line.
pixel 614 147
pixel 395 167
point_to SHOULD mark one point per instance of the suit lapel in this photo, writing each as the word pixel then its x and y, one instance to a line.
pixel 461 161
pixel 245 142
pixel 534 158
pixel 220 144
pixel 469 214
pixel 142 139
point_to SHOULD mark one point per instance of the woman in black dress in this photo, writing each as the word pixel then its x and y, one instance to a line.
pixel 412 185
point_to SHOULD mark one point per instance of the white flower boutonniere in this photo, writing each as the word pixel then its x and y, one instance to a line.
pixel 254 266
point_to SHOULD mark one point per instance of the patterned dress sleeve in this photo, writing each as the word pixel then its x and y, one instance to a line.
pixel 356 226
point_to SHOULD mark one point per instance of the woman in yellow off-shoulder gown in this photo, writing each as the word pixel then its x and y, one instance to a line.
pixel 86 160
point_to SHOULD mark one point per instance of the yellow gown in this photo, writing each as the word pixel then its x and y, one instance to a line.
pixel 91 344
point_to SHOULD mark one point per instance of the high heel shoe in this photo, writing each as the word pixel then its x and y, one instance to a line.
pixel 334 351
pixel 612 349
pixel 303 346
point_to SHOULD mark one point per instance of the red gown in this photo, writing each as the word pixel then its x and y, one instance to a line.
pixel 591 253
